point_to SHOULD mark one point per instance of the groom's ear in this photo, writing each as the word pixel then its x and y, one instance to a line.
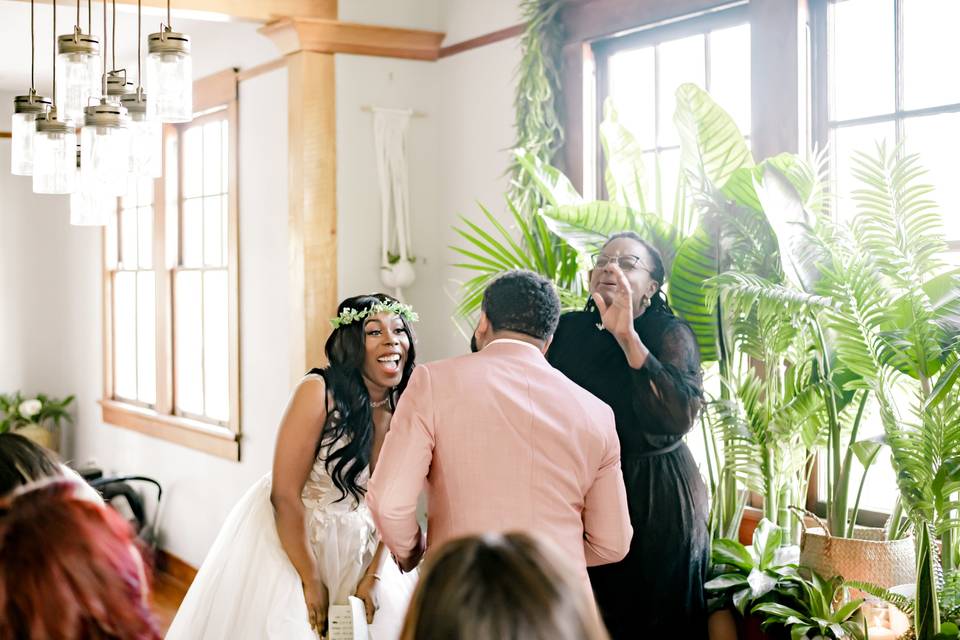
pixel 483 326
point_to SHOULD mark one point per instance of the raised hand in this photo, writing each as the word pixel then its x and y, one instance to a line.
pixel 618 316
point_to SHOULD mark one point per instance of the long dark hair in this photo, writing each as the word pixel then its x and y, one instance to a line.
pixel 659 300
pixel 22 461
pixel 496 587
pixel 351 417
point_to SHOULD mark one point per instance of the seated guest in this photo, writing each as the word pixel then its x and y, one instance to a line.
pixel 499 587
pixel 68 569
pixel 23 461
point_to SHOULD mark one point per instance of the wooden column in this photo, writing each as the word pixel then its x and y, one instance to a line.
pixel 312 185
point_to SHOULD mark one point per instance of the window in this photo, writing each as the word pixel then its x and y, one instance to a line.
pixel 712 51
pixel 883 79
pixel 171 287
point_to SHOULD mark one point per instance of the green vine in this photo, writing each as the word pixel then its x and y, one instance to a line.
pixel 537 98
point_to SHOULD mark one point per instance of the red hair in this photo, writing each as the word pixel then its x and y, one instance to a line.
pixel 69 570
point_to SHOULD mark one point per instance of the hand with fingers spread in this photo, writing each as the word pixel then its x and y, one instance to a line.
pixel 318 601
pixel 619 314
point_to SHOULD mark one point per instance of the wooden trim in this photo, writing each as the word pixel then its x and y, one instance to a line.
pixel 180 571
pixel 312 189
pixel 260 69
pixel 213 91
pixel 482 41
pixel 233 268
pixel 589 20
pixel 217 441
pixel 5 134
pixel 254 10
pixel 292 35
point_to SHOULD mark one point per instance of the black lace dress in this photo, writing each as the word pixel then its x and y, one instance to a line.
pixel 657 590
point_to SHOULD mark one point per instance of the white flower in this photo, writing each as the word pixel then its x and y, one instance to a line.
pixel 29 408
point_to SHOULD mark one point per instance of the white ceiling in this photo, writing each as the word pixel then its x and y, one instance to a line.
pixel 217 43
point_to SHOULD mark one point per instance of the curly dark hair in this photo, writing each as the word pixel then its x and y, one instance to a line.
pixel 345 352
pixel 523 302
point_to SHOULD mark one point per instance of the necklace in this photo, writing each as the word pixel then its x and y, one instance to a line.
pixel 379 403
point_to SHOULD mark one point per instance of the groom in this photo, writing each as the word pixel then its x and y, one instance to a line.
pixel 503 442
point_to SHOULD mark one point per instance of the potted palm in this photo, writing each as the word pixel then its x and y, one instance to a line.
pixel 37 418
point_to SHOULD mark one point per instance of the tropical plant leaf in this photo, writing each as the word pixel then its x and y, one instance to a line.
pixel 711 146
pixel 624 159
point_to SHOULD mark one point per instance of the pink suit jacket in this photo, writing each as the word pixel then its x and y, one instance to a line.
pixel 503 442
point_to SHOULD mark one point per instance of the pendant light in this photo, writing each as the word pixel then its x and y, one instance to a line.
pixel 146 133
pixel 78 63
pixel 105 141
pixel 89 207
pixel 169 75
pixel 23 126
pixel 54 144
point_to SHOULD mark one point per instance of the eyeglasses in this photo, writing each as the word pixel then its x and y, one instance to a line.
pixel 627 262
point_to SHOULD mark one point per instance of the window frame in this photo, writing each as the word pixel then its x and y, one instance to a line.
pixel 216 93
pixel 822 122
pixel 704 22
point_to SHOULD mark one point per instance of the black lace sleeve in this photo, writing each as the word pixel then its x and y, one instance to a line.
pixel 668 389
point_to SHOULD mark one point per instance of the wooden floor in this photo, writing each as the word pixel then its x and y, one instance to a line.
pixel 165 599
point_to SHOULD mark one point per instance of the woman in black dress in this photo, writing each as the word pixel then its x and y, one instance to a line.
pixel 632 352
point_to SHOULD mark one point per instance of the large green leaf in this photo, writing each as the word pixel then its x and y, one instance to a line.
pixel 555 187
pixel 696 262
pixel 624 157
pixel 711 145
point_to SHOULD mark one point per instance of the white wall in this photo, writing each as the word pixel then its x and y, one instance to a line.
pixel 457 154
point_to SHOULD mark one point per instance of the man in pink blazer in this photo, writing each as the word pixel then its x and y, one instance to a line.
pixel 503 442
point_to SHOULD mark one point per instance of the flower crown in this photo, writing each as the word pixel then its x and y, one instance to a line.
pixel 349 316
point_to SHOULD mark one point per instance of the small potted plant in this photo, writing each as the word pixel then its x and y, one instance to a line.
pixel 36 418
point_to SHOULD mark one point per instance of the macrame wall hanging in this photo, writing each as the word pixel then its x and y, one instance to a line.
pixel 396 253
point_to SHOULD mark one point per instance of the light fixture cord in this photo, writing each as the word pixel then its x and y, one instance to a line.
pixel 33 54
pixel 78 15
pixel 113 38
pixel 54 54
pixel 90 17
pixel 104 51
pixel 169 26
pixel 139 80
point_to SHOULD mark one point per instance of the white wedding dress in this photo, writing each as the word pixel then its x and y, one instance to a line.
pixel 247 588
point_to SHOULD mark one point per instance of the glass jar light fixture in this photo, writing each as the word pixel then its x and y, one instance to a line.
pixel 146 137
pixel 78 65
pixel 26 110
pixel 105 145
pixel 54 155
pixel 169 75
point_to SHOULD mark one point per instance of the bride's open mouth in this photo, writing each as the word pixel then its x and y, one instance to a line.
pixel 390 363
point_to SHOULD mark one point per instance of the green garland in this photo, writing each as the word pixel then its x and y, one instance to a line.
pixel 537 98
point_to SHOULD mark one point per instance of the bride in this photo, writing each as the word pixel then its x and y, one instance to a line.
pixel 302 538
